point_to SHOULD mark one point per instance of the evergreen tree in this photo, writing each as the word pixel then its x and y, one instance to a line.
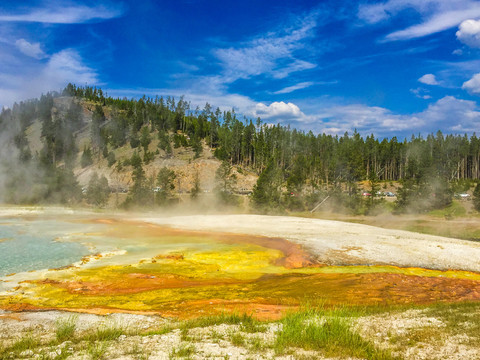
pixel 140 194
pixel 267 191
pixel 145 139
pixel 225 183
pixel 98 191
pixel 476 197
pixel 195 190
pixel 86 159
pixel 166 184
pixel 111 158
pixel 98 118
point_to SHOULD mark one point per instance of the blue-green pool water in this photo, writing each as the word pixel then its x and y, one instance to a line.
pixel 40 244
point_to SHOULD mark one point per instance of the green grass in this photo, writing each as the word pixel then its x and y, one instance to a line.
pixel 184 351
pixel 28 342
pixel 257 344
pixel 105 333
pixel 247 322
pixel 456 208
pixel 461 318
pixel 327 331
pixel 138 353
pixel 414 337
pixel 322 330
pixel 160 331
pixel 65 328
pixel 46 355
pixel 215 336
pixel 97 350
pixel 184 335
pixel 237 339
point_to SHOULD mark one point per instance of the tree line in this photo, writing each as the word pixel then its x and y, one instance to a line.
pixel 296 168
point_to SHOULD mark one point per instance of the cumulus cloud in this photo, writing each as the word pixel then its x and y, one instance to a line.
pixel 472 85
pixel 29 49
pixel 429 79
pixel 450 113
pixel 469 33
pixel 436 15
pixel 279 112
pixel 61 68
pixel 67 65
pixel 58 13
pixel 338 119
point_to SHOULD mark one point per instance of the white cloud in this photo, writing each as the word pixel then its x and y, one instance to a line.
pixel 272 54
pixel 58 13
pixel 40 77
pixel 292 88
pixel 297 65
pixel 448 114
pixel 421 93
pixel 67 65
pixel 469 33
pixel 366 119
pixel 429 79
pixel 29 49
pixel 436 15
pixel 472 85
pixel 279 112
pixel 452 114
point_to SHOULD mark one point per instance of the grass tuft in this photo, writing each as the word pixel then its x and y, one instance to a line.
pixel 215 336
pixel 23 344
pixel 106 333
pixel 247 321
pixel 237 339
pixel 257 344
pixel 160 331
pixel 184 351
pixel 327 331
pixel 65 328
pixel 138 353
pixel 97 350
pixel 54 355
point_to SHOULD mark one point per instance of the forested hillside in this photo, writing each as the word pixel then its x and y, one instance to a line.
pixel 46 141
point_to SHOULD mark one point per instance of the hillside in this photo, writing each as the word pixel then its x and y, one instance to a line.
pixel 188 164
pixel 56 145
pixel 182 160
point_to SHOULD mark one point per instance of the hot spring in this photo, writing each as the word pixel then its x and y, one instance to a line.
pixel 113 264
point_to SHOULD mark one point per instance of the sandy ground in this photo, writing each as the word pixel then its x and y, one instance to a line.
pixel 340 243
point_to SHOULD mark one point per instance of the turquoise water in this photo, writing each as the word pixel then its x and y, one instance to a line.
pixel 40 244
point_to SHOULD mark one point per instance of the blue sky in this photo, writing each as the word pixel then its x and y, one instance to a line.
pixel 392 68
